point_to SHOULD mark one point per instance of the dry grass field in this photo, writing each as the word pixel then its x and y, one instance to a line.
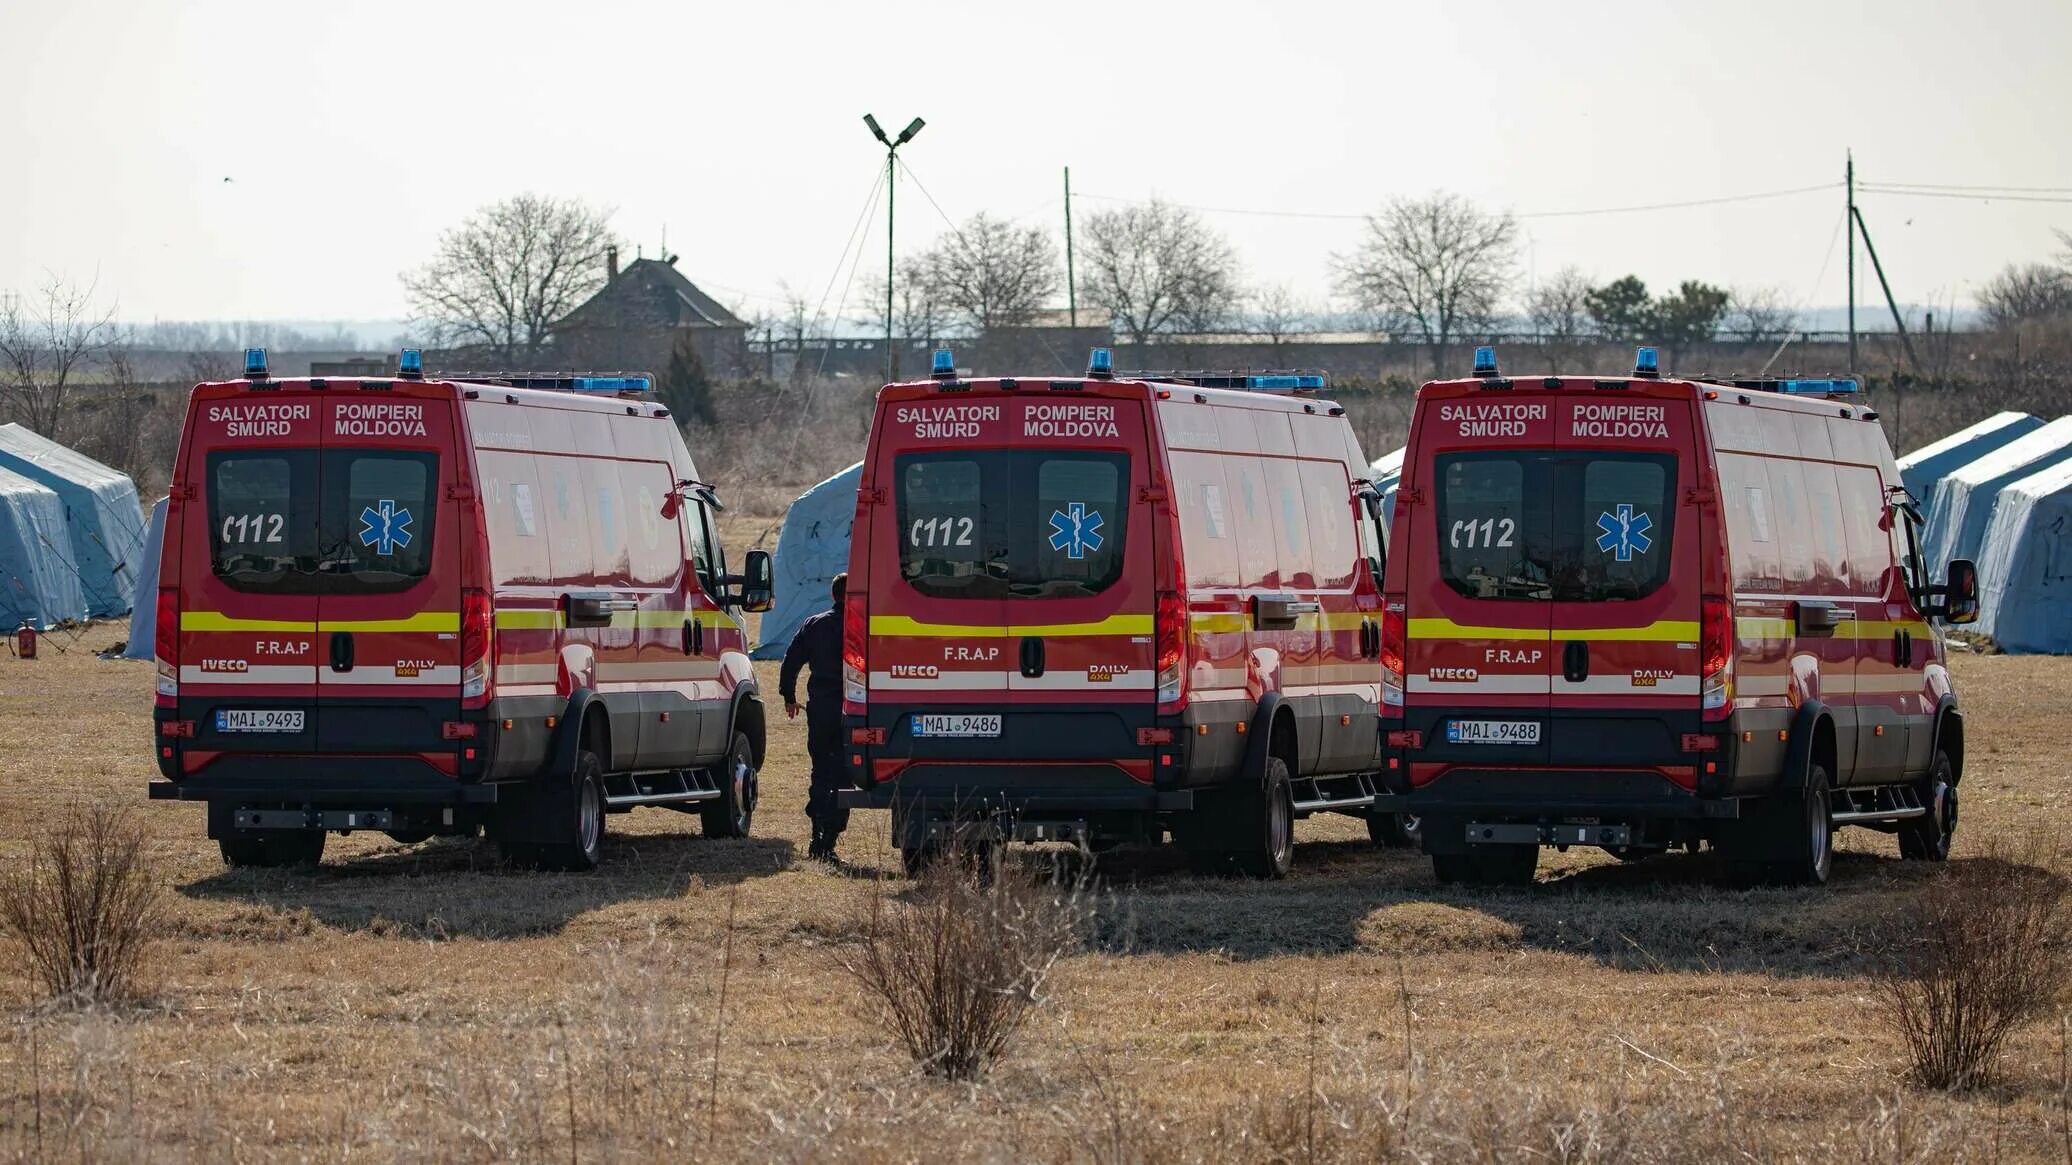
pixel 423 1003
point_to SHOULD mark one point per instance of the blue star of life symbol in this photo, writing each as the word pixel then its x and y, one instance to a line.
pixel 1074 530
pixel 387 529
pixel 1624 532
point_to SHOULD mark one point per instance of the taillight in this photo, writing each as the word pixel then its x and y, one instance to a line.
pixel 477 643
pixel 1170 627
pixel 1395 638
pixel 165 644
pixel 855 635
pixel 1716 650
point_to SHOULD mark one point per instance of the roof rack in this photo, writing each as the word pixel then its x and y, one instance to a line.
pixel 1802 386
pixel 613 383
pixel 1275 380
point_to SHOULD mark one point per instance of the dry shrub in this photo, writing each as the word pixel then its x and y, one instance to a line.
pixel 1980 953
pixel 955 972
pixel 85 909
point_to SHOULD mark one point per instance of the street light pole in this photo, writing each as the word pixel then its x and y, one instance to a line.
pixel 891 177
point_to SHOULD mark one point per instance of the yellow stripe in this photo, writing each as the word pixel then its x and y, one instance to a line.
pixel 528 619
pixel 900 625
pixel 1762 627
pixel 550 620
pixel 1663 631
pixel 1214 623
pixel 422 621
pixel 217 621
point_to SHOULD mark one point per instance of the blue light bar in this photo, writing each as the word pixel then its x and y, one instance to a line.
pixel 1818 387
pixel 255 364
pixel 1299 382
pixel 1485 361
pixel 945 366
pixel 610 383
pixel 1100 363
pixel 1647 363
pixel 411 362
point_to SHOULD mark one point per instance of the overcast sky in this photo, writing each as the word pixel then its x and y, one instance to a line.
pixel 353 133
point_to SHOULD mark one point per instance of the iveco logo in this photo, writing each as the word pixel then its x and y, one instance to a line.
pixel 915 671
pixel 225 665
pixel 1462 675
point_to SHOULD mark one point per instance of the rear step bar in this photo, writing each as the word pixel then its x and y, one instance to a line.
pixel 1875 806
pixel 1334 794
pixel 674 787
pixel 1859 816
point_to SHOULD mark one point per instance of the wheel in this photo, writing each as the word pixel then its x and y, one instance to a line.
pixel 1392 830
pixel 268 848
pixel 572 815
pixel 1927 839
pixel 734 811
pixel 916 861
pixel 1797 834
pixel 1489 865
pixel 1261 827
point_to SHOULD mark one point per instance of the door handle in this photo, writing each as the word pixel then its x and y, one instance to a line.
pixel 1032 657
pixel 1575 661
pixel 1903 648
pixel 697 636
pixel 341 651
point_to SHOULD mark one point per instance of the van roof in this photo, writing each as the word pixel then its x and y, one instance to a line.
pixel 1121 386
pixel 436 386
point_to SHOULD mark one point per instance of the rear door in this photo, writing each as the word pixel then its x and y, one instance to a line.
pixel 249 585
pixel 1624 667
pixel 389 557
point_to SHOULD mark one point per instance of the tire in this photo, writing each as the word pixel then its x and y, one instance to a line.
pixel 1802 829
pixel 1261 827
pixel 272 848
pixel 916 861
pixel 1927 839
pixel 571 814
pixel 1489 865
pixel 734 812
pixel 1392 830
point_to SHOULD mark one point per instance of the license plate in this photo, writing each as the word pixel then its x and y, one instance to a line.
pixel 956 725
pixel 1492 732
pixel 259 720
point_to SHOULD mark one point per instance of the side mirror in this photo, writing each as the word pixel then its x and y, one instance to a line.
pixel 1960 594
pixel 758 582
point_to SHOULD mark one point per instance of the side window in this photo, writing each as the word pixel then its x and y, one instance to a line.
pixel 1830 548
pixel 1205 524
pixel 716 554
pixel 608 517
pixel 1258 565
pixel 511 506
pixel 1863 511
pixel 657 551
pixel 1332 536
pixel 561 510
pixel 1788 508
pixel 692 516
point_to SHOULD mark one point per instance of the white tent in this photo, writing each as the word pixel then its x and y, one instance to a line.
pixel 39 582
pixel 812 549
pixel 1963 501
pixel 1921 469
pixel 144 612
pixel 2025 570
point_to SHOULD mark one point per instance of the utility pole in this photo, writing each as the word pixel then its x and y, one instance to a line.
pixel 1849 181
pixel 1891 304
pixel 891 175
pixel 1071 283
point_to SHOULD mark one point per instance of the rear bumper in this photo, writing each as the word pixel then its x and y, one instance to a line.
pixel 979 790
pixel 341 782
pixel 1542 795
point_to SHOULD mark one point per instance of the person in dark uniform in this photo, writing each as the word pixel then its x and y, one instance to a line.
pixel 818 648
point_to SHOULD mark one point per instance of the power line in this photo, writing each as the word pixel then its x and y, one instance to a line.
pixel 1723 199
pixel 1866 188
pixel 1954 186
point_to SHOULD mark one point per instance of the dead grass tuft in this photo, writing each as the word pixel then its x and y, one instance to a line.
pixel 955 972
pixel 1433 927
pixel 1980 953
pixel 84 910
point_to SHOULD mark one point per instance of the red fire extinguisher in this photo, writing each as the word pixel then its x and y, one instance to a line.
pixel 25 640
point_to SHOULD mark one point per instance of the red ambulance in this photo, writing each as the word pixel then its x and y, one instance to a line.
pixel 1105 608
pixel 1638 613
pixel 443 605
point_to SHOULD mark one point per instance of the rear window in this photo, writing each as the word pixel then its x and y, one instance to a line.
pixel 1004 523
pixel 300 521
pixel 1584 528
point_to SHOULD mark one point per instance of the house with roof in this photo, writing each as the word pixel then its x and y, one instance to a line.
pixel 641 312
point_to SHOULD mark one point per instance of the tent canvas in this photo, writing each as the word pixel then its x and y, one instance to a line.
pixel 812 549
pixel 37 585
pixel 2025 570
pixel 1921 469
pixel 1964 499
pixel 144 608
pixel 101 512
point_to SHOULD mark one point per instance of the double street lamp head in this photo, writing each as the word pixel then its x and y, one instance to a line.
pixel 906 135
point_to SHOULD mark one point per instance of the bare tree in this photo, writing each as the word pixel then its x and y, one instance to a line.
pixel 1559 310
pixel 2020 294
pixel 507 275
pixel 919 313
pixel 1277 313
pixel 45 345
pixel 990 273
pixel 1436 265
pixel 1759 315
pixel 1158 268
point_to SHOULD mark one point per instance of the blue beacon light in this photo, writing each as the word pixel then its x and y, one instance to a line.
pixel 1100 364
pixel 945 365
pixel 1646 362
pixel 1485 361
pixel 255 364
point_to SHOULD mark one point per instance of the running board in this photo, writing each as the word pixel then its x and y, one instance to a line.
pixel 671 788
pixel 1356 792
pixel 630 800
pixel 1865 816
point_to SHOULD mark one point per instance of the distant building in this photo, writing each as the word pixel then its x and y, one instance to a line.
pixel 350 366
pixel 639 314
